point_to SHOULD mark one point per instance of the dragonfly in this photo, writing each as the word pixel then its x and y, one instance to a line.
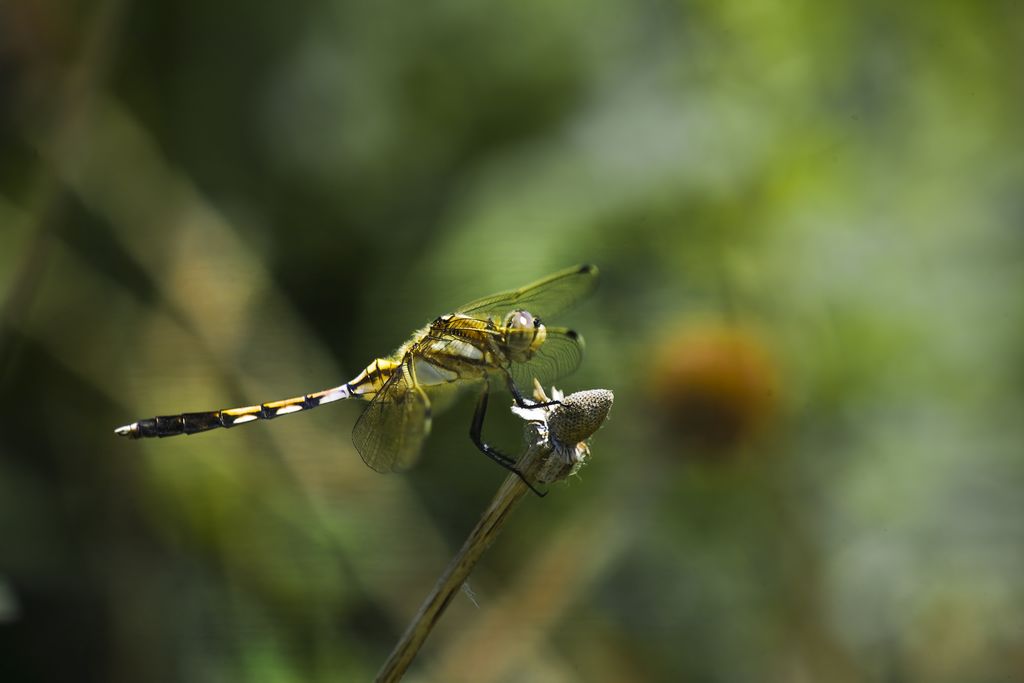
pixel 498 339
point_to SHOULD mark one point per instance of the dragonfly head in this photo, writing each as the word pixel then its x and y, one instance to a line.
pixel 523 335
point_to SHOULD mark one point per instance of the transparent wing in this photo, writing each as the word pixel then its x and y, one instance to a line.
pixel 390 432
pixel 559 355
pixel 542 299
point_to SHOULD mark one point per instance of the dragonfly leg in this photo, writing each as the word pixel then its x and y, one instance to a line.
pixel 476 434
pixel 521 400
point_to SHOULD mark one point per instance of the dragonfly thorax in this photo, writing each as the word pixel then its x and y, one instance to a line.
pixel 523 335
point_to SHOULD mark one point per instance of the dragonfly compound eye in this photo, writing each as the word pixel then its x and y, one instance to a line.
pixel 519 321
pixel 523 333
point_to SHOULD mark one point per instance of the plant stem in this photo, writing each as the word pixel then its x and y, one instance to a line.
pixel 480 538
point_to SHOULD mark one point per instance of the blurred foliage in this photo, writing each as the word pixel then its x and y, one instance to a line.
pixel 808 219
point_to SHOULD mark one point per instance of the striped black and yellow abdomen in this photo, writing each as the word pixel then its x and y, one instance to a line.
pixel 365 385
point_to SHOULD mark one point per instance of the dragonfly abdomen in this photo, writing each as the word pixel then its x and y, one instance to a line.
pixel 194 423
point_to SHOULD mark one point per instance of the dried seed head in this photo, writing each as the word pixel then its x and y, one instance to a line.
pixel 579 415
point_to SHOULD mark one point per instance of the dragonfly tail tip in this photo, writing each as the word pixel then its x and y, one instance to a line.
pixel 128 430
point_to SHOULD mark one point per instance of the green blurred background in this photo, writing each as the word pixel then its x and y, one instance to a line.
pixel 808 219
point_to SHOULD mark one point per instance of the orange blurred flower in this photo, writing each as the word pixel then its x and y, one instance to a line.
pixel 714 386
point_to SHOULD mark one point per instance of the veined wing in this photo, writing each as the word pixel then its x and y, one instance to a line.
pixel 559 355
pixel 544 298
pixel 390 432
